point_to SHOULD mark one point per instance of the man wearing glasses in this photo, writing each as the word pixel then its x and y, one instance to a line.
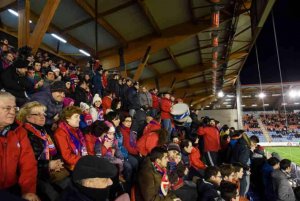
pixel 18 171
pixel 207 187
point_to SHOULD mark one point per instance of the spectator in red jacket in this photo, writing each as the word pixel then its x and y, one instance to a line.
pixel 18 164
pixel 70 140
pixel 104 79
pixel 153 124
pixel 106 102
pixel 128 141
pixel 212 145
pixel 165 107
pixel 155 102
pixel 147 142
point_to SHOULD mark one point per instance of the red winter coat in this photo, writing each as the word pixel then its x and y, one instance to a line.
pixel 90 141
pixel 104 81
pixel 195 159
pixel 17 161
pixel 126 140
pixel 106 103
pixel 151 126
pixel 165 107
pixel 147 142
pixel 211 138
pixel 66 146
pixel 155 101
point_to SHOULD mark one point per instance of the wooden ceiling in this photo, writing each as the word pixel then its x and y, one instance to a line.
pixel 166 43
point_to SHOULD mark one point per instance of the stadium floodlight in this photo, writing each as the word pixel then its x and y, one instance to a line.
pixel 261 95
pixel 84 52
pixel 296 103
pixel 15 13
pixel 293 93
pixel 230 96
pixel 266 104
pixel 220 94
pixel 284 104
pixel 254 105
pixel 207 106
pixel 243 105
pixel 58 38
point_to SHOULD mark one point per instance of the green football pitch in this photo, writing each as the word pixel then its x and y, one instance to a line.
pixel 292 153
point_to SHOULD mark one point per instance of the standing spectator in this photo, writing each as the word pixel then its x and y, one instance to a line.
pixel 129 141
pixel 97 82
pixel 106 103
pixel 113 85
pixel 104 79
pixel 281 182
pixel 18 165
pixel 6 61
pixel 155 102
pixel 81 93
pixel 133 101
pixel 49 78
pixel 153 181
pixel 270 165
pixel 165 108
pixel 145 99
pixel 211 142
pixel 123 92
pixel 69 138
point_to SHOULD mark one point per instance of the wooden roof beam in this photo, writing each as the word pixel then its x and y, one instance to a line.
pixel 149 16
pixel 101 21
pixel 169 37
pixel 54 29
pixel 42 24
pixel 141 66
pixel 23 23
pixel 78 24
pixel 43 46
pixel 5 4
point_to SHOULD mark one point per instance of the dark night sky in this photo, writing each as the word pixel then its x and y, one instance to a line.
pixel 287 22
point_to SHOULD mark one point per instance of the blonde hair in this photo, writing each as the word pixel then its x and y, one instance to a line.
pixel 26 109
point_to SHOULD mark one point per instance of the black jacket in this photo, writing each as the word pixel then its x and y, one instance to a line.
pixel 207 191
pixel 80 96
pixel 241 153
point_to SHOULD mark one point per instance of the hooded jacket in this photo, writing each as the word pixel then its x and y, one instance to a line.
pixel 207 191
pixel 282 186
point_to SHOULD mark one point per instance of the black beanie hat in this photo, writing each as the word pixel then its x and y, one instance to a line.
pixel 20 63
pixel 92 167
pixel 58 86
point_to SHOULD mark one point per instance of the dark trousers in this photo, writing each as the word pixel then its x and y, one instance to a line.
pixel 211 158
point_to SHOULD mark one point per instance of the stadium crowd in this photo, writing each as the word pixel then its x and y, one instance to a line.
pixel 68 134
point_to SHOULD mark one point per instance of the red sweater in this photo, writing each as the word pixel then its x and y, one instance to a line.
pixel 155 101
pixel 211 138
pixel 151 126
pixel 126 140
pixel 90 141
pixel 66 146
pixel 147 142
pixel 106 103
pixel 165 107
pixel 195 159
pixel 17 161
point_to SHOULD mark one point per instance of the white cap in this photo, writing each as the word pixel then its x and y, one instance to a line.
pixel 84 106
pixel 96 98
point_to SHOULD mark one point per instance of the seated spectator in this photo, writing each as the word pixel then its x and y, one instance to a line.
pixel 129 138
pixel 69 138
pixel 96 109
pixel 106 103
pixel 147 142
pixel 85 118
pixel 229 191
pixel 153 181
pixel 14 79
pixel 282 183
pixel 32 115
pixel 207 188
pixel 91 180
pixel 53 100
pixel 227 172
pixel 18 164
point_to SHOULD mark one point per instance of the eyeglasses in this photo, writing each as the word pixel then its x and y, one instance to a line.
pixel 9 108
pixel 39 114
pixel 128 121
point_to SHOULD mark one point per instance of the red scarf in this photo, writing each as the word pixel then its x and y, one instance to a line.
pixel 164 184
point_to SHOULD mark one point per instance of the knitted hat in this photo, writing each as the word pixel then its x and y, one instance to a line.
pixel 84 106
pixel 96 98
pixel 173 146
pixel 68 102
pixel 58 86
pixel 93 167
pixel 20 63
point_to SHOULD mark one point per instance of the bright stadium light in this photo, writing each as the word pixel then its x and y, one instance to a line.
pixel 266 104
pixel 261 95
pixel 220 94
pixel 296 103
pixel 254 105
pixel 15 13
pixel 84 52
pixel 293 93
pixel 58 38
